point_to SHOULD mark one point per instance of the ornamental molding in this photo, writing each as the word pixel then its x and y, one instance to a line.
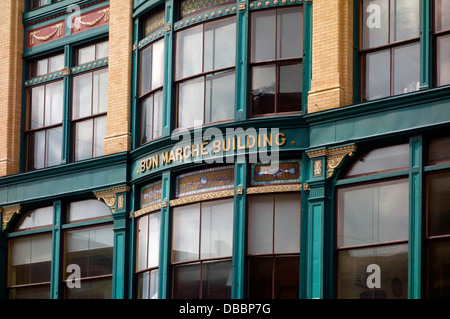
pixel 57 31
pixel 201 197
pixel 274 189
pixel 109 197
pixel 334 158
pixel 104 15
pixel 148 209
pixel 8 213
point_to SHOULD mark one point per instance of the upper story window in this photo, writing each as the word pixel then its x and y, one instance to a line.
pixel 47 93
pixel 441 30
pixel 276 51
pixel 34 4
pixel 204 73
pixel 389 47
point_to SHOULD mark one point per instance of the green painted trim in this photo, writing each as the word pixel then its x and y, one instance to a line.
pixel 307 53
pixel 67 111
pixel 426 56
pixel 144 5
pixel 415 277
pixel 304 233
pixel 241 65
pixel 132 278
pixel 374 177
pixel 239 232
pixel 56 289
pixel 204 17
pixel 168 88
pixel 164 280
pixel 433 168
pixel 316 237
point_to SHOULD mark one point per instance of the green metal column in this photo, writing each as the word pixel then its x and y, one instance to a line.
pixel 120 254
pixel 426 29
pixel 164 253
pixel 66 121
pixel 135 125
pixel 56 289
pixel 239 225
pixel 242 17
pixel 132 243
pixel 415 225
pixel 169 111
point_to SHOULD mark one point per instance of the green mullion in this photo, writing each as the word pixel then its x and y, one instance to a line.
pixel 56 288
pixel 415 224
pixel 239 231
pixel 426 27
pixel 307 53
pixel 66 139
pixel 132 286
pixel 242 22
pixel 168 90
pixel 135 126
pixel 164 278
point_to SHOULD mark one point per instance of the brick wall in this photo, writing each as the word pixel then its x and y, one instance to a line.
pixel 118 137
pixel 11 49
pixel 332 55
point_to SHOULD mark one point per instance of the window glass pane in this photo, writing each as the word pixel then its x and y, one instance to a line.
pixel 145 69
pixel 373 213
pixel 443 60
pixel 102 50
pixel 54 146
pixel 438 203
pixel 54 102
pixel 185 233
pixel 375 23
pixel 37 107
pixel 219 99
pixel 147 119
pixel 263 89
pixel 86 54
pixel 37 218
pixel 263 28
pixel 186 281
pixel 216 280
pixel 148 285
pixel 438 264
pixel 439 151
pixel 406 70
pixel 37 141
pixel 142 243
pixel 100 91
pixel 217 229
pixel 404 19
pixel 56 63
pixel 220 44
pixel 32 292
pixel 377 75
pixel 189 52
pixel 190 103
pixel 289 33
pixel 39 67
pixel 82 95
pixel 30 259
pixel 91 289
pixel 353 274
pixel 442 15
pixel 382 159
pixel 287 223
pixel 91 249
pixel 158 64
pixel 99 135
pixel 260 270
pixel 260 224
pixel 158 114
pixel 287 272
pixel 87 209
pixel 290 88
pixel 83 140
pixel 153 240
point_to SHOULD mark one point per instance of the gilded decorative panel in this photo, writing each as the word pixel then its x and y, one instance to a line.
pixel 154 22
pixel 288 171
pixel 213 179
pixel 151 193
pixel 189 7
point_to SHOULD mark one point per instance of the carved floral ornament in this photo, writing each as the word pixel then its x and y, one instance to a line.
pixel 7 213
pixel 334 158
pixel 109 197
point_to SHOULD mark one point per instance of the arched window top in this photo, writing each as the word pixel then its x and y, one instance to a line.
pixel 381 160
pixel 37 218
pixel 87 209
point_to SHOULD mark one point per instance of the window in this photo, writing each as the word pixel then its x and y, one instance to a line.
pixel 273 246
pixel 372 229
pixel 89 103
pixel 442 40
pixel 389 47
pixel 276 51
pixel 34 4
pixel 86 244
pixel 204 73
pixel 151 90
pixel 202 236
pixel 45 115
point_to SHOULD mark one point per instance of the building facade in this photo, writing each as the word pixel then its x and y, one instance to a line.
pixel 223 149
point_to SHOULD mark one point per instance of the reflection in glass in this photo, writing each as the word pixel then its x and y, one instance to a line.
pixel 54 146
pixel 216 280
pixel 220 44
pixel 185 233
pixel 290 88
pixel 375 23
pixel 36 218
pixel 219 97
pixel 443 60
pixel 145 70
pixel 353 273
pixel 54 103
pixel 37 107
pixel 377 75
pixel 87 209
pixel 186 281
pixel 99 135
pixel 190 103
pixel 438 203
pixel 263 89
pixel 263 29
pixel 157 64
pixel 289 33
pixel 439 151
pixel 381 160
pixel 100 91
pixel 442 15
pixel 189 52
pixel 404 19
pixel 406 68
pixel 82 95
pixel 83 140
pixel 438 265
pixel 373 213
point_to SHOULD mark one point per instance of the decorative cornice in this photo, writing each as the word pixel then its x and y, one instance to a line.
pixel 148 209
pixel 201 197
pixel 334 156
pixel 8 213
pixel 274 189
pixel 109 197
